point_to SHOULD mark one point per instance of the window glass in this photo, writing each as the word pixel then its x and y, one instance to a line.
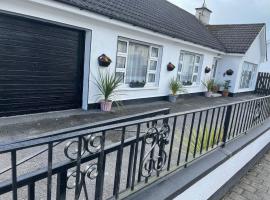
pixel 154 52
pixel 121 62
pixel 122 46
pixel 151 78
pixel 153 65
pixel 247 75
pixel 121 75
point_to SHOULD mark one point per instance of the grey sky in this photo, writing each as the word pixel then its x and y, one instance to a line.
pixel 232 11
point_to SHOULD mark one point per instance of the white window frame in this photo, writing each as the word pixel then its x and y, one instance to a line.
pixel 252 80
pixel 157 59
pixel 195 64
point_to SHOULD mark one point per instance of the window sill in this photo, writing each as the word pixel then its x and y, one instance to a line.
pixel 191 86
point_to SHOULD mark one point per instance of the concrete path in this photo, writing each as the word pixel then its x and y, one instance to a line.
pixel 255 185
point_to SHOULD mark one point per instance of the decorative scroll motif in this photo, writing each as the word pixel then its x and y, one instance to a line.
pixel 90 172
pixel 156 139
pixel 258 111
pixel 91 144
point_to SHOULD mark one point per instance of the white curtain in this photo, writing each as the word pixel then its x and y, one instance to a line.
pixel 187 68
pixel 137 62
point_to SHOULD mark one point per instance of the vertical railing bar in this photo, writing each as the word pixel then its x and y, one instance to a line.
pixel 264 109
pixel 232 124
pixel 204 130
pixel 31 191
pixel 226 125
pixel 244 109
pixel 61 185
pixel 130 165
pixel 181 140
pixel 78 168
pixel 210 129
pixel 119 159
pixel 239 118
pixel 197 135
pixel 247 116
pixel 141 160
pixel 215 130
pixel 189 138
pixel 101 169
pixel 49 179
pixel 14 174
pixel 172 140
pixel 136 155
pixel 236 120
pixel 221 125
pixel 251 117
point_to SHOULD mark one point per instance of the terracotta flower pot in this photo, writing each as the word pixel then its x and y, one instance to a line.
pixel 225 93
pixel 106 106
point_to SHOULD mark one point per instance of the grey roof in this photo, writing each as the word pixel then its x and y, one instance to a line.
pixel 164 17
pixel 157 15
pixel 236 38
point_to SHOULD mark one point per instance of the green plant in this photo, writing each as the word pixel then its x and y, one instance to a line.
pixel 209 84
pixel 207 138
pixel 176 86
pixel 107 85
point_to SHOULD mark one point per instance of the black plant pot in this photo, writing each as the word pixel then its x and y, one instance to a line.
pixel 136 84
pixel 229 72
pixel 170 67
pixel 104 61
pixel 207 70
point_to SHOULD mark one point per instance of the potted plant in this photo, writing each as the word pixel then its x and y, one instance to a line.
pixel 170 67
pixel 107 85
pixel 104 61
pixel 175 87
pixel 209 86
pixel 226 86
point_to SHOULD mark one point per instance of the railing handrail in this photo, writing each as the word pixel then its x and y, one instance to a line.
pixel 57 138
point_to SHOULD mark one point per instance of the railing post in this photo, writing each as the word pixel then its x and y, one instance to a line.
pixel 61 185
pixel 226 124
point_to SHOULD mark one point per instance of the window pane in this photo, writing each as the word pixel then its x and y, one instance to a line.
pixel 178 77
pixel 196 69
pixel 153 65
pixel 121 62
pixel 195 77
pixel 180 67
pixel 247 75
pixel 181 56
pixel 121 75
pixel 154 52
pixel 122 46
pixel 137 62
pixel 151 78
pixel 198 59
pixel 187 69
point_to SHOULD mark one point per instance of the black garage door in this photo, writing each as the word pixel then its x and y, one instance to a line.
pixel 41 66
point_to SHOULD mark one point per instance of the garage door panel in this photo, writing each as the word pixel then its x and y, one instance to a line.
pixel 31 26
pixel 41 66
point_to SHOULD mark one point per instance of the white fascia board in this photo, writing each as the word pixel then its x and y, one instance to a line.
pixel 101 18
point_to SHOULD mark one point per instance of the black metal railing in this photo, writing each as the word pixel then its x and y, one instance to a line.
pixel 116 159
pixel 263 84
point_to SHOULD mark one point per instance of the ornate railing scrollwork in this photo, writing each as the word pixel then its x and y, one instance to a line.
pixel 156 139
pixel 91 144
pixel 90 172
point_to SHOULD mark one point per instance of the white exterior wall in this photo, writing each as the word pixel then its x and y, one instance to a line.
pixel 265 67
pixel 105 33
